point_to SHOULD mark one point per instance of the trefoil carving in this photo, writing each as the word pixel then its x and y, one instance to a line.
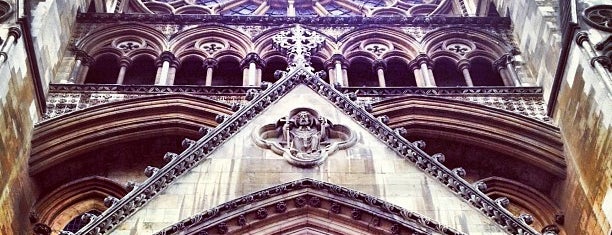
pixel 304 138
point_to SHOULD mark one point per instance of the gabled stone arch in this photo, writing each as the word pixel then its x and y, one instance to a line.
pixel 105 36
pixel 307 205
pixel 401 41
pixel 57 208
pixel 235 40
pixel 478 40
pixel 263 43
pixel 538 143
pixel 121 121
pixel 524 199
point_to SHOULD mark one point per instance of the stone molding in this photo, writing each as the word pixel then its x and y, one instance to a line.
pixel 503 22
pixel 301 196
pixel 179 164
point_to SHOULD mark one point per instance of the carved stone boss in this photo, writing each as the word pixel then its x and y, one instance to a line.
pixel 304 138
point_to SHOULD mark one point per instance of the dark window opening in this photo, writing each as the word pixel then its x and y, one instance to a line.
pixel 104 71
pixel 398 74
pixel 273 64
pixel 447 74
pixel 360 74
pixel 142 71
pixel 191 72
pixel 483 74
pixel 77 223
pixel 228 73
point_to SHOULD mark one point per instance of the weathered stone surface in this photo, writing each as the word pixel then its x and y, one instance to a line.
pixel 585 118
pixel 370 167
pixel 18 114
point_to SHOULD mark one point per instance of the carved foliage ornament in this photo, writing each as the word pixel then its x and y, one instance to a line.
pixel 304 138
pixel 299 44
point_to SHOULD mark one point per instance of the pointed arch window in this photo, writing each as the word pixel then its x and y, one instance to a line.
pixel 141 72
pixel 483 73
pixel 447 74
pixel 104 70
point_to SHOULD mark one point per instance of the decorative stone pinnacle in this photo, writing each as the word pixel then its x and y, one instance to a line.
pixel 299 44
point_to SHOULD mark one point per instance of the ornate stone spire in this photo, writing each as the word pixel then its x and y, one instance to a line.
pixel 299 44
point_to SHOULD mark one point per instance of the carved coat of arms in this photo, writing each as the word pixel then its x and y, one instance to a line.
pixel 304 138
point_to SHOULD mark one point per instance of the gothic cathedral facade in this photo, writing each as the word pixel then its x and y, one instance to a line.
pixel 306 117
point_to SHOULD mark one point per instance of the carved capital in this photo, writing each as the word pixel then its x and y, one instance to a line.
pixel 15 32
pixel 167 56
pixel 603 60
pixel 502 62
pixel 582 37
pixel 463 64
pixel 331 63
pixel 423 59
pixel 210 63
pixel 379 64
pixel 252 58
pixel 125 62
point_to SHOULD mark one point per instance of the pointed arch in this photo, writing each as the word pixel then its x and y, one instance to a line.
pixel 403 43
pixel 538 143
pixel 121 121
pixel 105 35
pixel 240 43
pixel 73 199
pixel 482 40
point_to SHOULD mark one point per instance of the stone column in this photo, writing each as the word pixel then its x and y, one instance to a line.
pixel 418 76
pixel 124 63
pixel 14 33
pixel 252 65
pixel 86 61
pixel 601 63
pixel 76 69
pixel 514 77
pixel 464 67
pixel 425 64
pixel 291 8
pixel 339 65
pixel 500 66
pixel 379 66
pixel 165 59
pixel 209 65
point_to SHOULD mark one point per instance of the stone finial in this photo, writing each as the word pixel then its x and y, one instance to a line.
pixel 299 43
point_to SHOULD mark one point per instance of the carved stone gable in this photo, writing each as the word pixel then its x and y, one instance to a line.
pixel 304 138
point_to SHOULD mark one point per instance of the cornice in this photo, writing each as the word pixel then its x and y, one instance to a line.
pixel 438 20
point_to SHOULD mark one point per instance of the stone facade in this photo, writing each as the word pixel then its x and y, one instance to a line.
pixel 555 166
